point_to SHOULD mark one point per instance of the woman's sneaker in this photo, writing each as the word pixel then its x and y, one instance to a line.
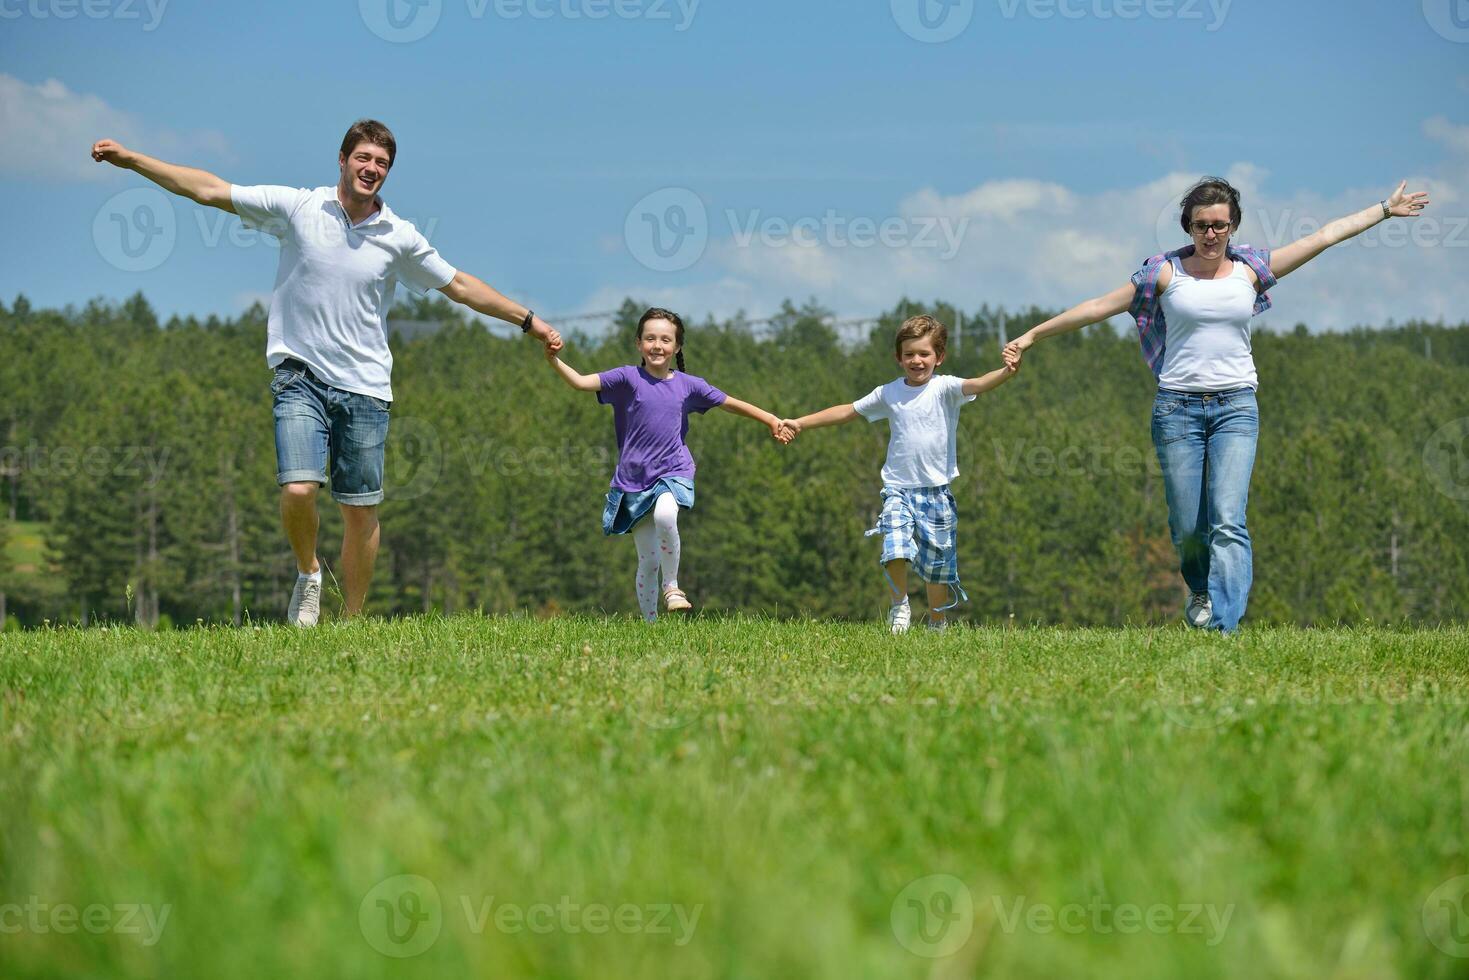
pixel 1200 610
pixel 899 616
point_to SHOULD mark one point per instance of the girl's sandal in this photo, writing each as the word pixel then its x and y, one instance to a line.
pixel 675 601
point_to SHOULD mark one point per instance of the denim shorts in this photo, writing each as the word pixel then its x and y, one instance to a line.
pixel 316 424
pixel 624 508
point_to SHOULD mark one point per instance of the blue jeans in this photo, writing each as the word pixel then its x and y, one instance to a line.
pixel 316 424
pixel 1206 446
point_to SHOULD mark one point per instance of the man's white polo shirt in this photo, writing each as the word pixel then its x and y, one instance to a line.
pixel 335 282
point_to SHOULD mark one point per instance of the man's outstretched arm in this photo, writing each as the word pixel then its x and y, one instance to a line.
pixel 199 186
pixel 481 297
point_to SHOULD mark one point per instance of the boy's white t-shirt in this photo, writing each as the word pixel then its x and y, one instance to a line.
pixel 335 282
pixel 923 423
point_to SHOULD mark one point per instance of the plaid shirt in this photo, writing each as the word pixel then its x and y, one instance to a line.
pixel 1148 311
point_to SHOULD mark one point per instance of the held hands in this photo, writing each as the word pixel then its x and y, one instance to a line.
pixel 1015 350
pixel 546 334
pixel 1407 205
pixel 781 431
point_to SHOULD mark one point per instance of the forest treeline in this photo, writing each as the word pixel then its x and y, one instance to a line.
pixel 138 474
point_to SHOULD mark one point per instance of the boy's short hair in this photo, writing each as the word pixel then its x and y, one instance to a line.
pixel 917 327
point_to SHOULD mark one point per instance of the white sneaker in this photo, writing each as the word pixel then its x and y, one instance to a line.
pixel 899 616
pixel 939 626
pixel 1200 610
pixel 305 607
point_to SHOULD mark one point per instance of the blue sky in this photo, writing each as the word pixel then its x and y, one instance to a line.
pixel 817 149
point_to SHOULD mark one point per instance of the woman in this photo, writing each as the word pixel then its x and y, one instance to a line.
pixel 1193 308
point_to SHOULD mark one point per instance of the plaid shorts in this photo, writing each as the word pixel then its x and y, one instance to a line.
pixel 919 525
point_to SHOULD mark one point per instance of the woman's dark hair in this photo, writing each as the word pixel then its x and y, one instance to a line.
pixel 1210 190
pixel 658 313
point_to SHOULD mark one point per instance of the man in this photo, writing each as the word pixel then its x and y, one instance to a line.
pixel 343 250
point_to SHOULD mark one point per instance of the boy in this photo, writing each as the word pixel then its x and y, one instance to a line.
pixel 918 520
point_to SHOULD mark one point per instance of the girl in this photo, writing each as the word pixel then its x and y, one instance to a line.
pixel 1193 308
pixel 655 472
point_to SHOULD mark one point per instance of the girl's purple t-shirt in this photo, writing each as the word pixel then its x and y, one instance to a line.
pixel 652 420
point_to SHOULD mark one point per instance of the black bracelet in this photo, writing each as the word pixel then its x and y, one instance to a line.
pixel 525 324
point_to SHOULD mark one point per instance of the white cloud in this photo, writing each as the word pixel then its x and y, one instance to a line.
pixel 1030 242
pixel 49 131
pixel 1453 136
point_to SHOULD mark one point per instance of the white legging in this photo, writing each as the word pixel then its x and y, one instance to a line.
pixel 658 552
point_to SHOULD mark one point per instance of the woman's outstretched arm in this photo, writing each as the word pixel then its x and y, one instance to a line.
pixel 1289 258
pixel 1094 310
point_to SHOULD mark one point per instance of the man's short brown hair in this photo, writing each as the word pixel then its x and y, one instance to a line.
pixel 917 327
pixel 370 131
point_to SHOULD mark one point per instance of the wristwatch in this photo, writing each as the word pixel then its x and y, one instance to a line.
pixel 1386 211
pixel 530 316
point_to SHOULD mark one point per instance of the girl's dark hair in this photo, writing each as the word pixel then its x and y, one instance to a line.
pixel 1210 190
pixel 658 313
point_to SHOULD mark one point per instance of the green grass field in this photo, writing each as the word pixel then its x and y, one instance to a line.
pixel 733 798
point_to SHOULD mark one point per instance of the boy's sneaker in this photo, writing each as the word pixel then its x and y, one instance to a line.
pixel 1200 610
pixel 899 616
pixel 305 607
